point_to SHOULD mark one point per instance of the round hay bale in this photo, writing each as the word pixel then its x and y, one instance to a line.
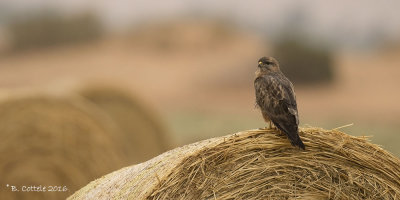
pixel 141 134
pixel 52 141
pixel 259 164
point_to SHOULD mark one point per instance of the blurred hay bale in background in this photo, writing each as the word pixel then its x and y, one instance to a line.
pixel 139 128
pixel 70 140
pixel 259 164
pixel 53 141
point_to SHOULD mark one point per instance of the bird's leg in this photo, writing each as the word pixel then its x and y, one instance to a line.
pixel 271 125
pixel 268 126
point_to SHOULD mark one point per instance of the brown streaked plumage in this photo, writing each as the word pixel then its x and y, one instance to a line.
pixel 276 98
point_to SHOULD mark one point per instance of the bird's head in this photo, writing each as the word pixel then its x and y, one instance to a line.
pixel 268 64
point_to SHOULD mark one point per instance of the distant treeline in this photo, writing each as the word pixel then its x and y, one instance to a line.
pixel 48 29
pixel 303 62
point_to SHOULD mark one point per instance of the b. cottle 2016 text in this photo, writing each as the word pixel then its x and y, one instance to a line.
pixel 40 188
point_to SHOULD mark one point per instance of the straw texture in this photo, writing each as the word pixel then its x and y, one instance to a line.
pixel 259 164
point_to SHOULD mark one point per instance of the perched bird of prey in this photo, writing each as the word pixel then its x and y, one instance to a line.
pixel 276 98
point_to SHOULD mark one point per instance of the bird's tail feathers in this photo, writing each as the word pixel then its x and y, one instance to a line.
pixel 296 141
pixel 292 134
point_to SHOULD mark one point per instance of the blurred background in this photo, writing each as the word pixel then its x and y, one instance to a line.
pixel 125 81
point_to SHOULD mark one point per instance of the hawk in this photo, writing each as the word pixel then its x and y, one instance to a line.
pixel 276 98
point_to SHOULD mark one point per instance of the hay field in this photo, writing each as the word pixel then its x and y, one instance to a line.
pixel 259 164
pixel 170 76
pixel 168 73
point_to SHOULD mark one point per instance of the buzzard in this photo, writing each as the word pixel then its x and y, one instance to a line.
pixel 276 98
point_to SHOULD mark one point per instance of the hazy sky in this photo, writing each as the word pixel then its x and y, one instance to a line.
pixel 356 22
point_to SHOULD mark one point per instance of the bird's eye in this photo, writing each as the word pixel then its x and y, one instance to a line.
pixel 268 63
pixel 259 62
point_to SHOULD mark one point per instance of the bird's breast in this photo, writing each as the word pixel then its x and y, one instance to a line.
pixel 258 72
